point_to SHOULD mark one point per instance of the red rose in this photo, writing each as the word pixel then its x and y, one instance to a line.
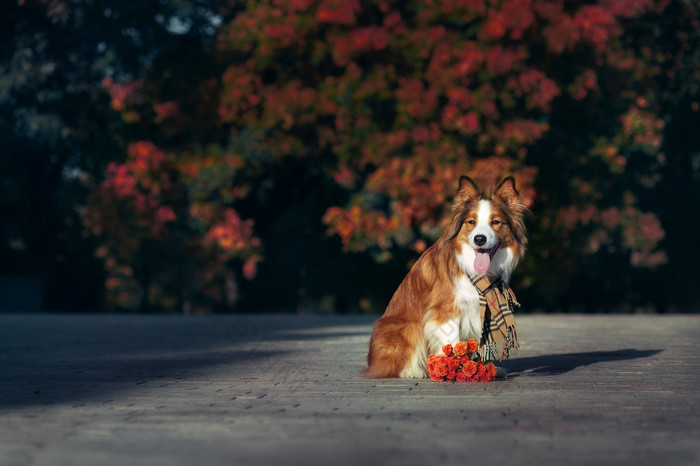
pixel 463 360
pixel 469 368
pixel 451 374
pixel 461 377
pixel 453 363
pixel 461 348
pixel 491 369
pixel 447 349
pixel 485 377
pixel 432 361
pixel 472 345
pixel 435 376
pixel 480 369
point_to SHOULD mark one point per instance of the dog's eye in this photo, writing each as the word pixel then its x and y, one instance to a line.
pixel 471 222
pixel 495 222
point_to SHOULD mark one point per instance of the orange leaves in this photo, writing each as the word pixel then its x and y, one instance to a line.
pixel 165 111
pixel 231 234
pixel 394 101
pixel 385 78
pixel 642 128
pixel 415 99
pixel 358 228
pixel 369 38
pixel 241 93
pixel 122 94
pixel 596 25
pixel 503 60
pixel 418 187
pixel 561 34
pixel 536 87
pixel 120 180
pixel 495 26
pixel 290 105
pixel 522 132
pixel 466 10
pixel 641 132
pixel 403 98
pixel 145 155
pixel 640 231
pixel 518 17
pixel 283 33
pixel 337 11
pixel 156 203
pixel 489 171
pixel 468 123
pixel 142 181
pixel 583 84
pixel 346 46
pixel 344 177
pixel 631 8
pixel 247 101
pixel 642 234
pixel 512 19
pixel 136 175
pixel 470 59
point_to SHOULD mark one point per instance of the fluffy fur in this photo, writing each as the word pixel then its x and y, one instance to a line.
pixel 436 303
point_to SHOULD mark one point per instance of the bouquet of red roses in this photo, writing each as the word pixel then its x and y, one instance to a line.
pixel 461 363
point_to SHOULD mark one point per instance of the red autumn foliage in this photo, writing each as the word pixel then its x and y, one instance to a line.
pixel 140 204
pixel 398 100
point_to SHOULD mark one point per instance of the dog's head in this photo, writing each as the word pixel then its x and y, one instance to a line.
pixel 488 223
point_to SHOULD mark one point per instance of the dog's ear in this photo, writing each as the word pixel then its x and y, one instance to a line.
pixel 468 190
pixel 506 192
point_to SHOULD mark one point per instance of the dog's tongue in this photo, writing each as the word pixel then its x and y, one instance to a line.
pixel 482 261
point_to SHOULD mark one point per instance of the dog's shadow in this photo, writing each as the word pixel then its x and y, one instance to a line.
pixel 555 364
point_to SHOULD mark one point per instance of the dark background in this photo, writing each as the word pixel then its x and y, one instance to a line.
pixel 58 134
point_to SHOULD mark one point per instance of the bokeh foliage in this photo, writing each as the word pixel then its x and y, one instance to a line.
pixel 299 155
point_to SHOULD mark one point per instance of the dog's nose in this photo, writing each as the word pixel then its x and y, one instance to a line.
pixel 480 240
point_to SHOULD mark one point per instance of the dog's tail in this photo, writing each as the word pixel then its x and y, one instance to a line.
pixel 392 346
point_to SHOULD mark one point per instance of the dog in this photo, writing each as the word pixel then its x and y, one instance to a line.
pixel 437 304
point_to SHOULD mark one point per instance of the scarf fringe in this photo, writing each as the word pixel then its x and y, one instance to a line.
pixel 499 335
pixel 501 348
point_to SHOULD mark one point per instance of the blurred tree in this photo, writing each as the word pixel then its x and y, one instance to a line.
pixel 58 130
pixel 396 100
pixel 619 255
pixel 326 137
pixel 670 44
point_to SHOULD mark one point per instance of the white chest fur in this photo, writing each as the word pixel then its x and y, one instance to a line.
pixel 467 301
pixel 467 324
pixel 466 295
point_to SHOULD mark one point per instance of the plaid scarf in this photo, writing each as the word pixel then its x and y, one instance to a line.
pixel 496 301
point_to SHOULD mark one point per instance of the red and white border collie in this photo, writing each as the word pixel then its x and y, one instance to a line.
pixel 436 303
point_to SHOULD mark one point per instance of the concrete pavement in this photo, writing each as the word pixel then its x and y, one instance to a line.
pixel 267 389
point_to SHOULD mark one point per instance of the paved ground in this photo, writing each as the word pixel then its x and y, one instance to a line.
pixel 264 390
